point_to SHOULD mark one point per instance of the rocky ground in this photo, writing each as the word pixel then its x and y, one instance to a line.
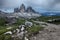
pixel 50 32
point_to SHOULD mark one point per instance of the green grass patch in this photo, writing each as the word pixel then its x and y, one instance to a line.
pixel 3 30
pixel 20 21
pixel 34 29
pixel 5 37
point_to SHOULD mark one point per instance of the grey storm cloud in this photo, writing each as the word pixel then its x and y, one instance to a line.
pixel 11 3
pixel 53 5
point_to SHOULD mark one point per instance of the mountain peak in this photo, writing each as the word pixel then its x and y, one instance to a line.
pixel 22 8
pixel 30 9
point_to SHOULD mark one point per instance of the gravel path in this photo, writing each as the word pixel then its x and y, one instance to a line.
pixel 50 32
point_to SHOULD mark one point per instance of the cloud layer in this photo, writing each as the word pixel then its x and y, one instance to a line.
pixel 49 5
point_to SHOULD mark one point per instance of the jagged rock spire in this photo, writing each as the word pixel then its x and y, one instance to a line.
pixel 16 10
pixel 22 8
pixel 30 9
pixel 0 10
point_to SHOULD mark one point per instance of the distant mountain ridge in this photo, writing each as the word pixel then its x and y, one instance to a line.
pixel 50 14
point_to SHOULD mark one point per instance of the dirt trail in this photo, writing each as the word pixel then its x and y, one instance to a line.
pixel 50 32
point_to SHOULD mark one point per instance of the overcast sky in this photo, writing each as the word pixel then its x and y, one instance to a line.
pixel 38 5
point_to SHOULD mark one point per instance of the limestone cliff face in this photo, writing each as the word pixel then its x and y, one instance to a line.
pixel 30 9
pixel 22 12
pixel 16 10
pixel 22 8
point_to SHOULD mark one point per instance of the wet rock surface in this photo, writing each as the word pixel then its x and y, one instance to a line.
pixel 50 32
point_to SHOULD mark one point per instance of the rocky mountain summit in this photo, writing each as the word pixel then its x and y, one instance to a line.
pixel 30 9
pixel 28 12
pixel 24 9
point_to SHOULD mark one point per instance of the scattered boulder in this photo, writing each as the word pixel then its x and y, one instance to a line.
pixel 29 24
pixel 9 32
